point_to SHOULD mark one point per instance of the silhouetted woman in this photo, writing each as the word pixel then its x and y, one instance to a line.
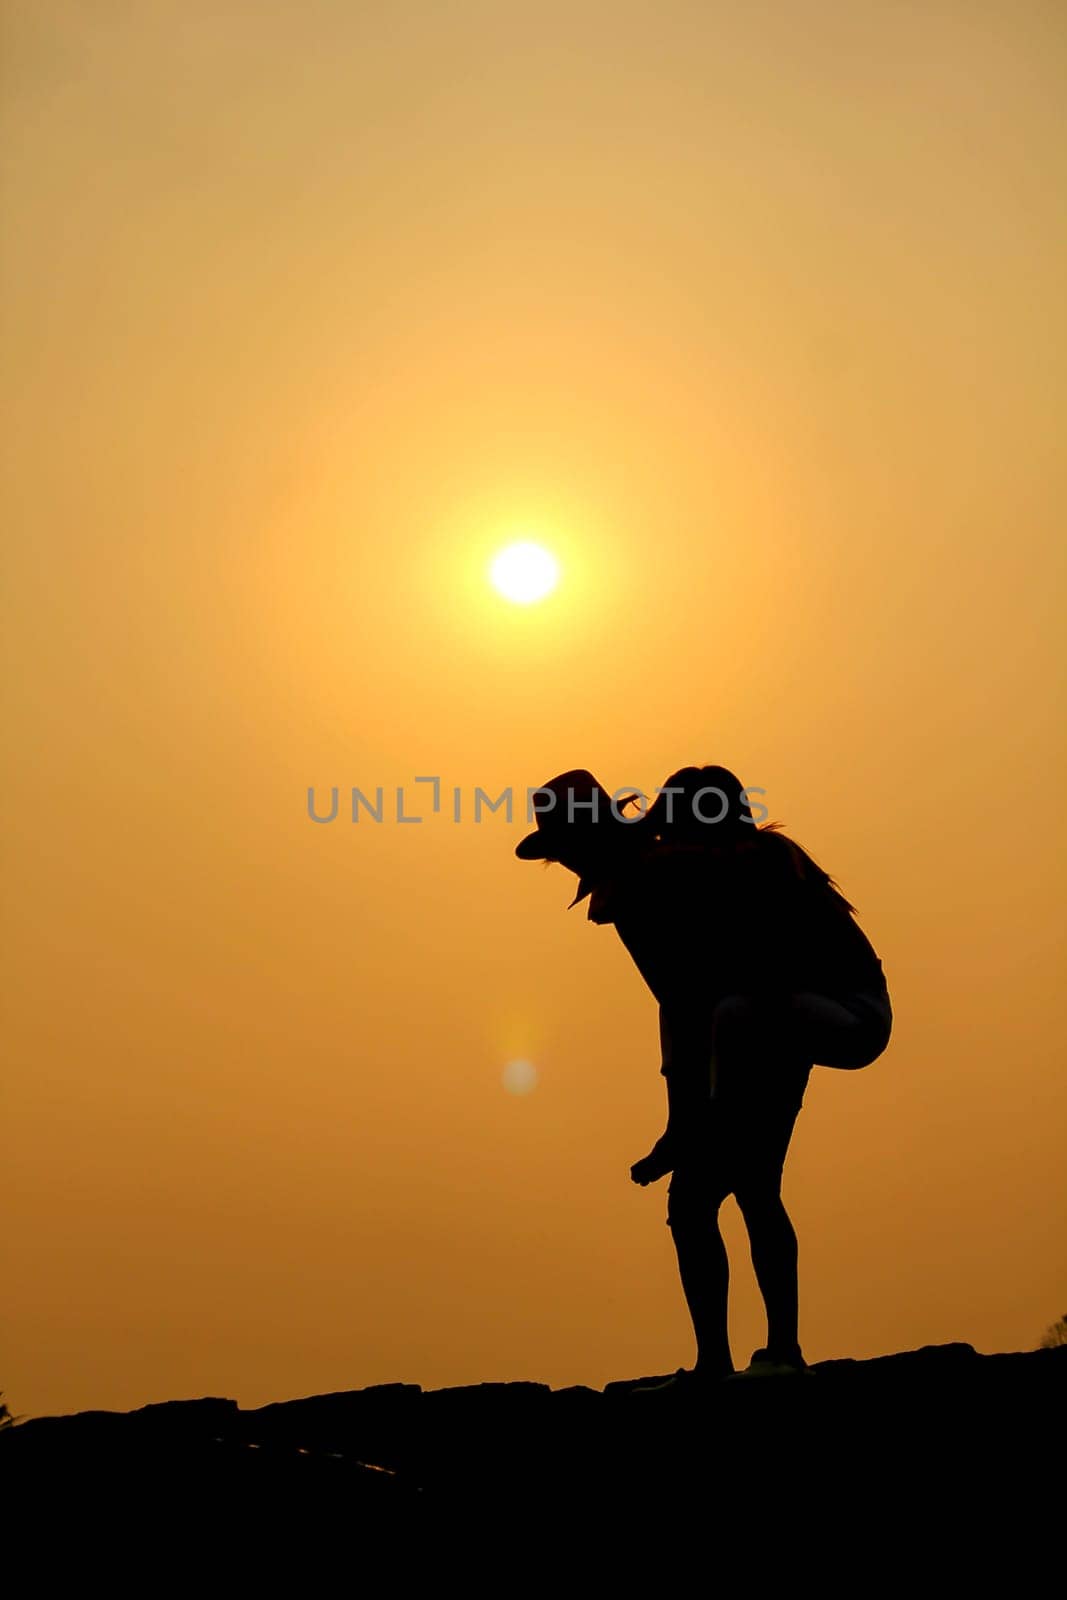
pixel 760 970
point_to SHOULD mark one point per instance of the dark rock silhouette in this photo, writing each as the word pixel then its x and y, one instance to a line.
pixel 937 1455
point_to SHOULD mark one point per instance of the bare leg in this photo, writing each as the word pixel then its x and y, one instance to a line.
pixel 705 1274
pixel 774 1258
pixel 760 1087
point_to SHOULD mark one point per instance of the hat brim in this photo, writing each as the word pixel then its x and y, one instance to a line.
pixel 534 847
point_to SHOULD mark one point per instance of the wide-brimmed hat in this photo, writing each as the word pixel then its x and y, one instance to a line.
pixel 574 807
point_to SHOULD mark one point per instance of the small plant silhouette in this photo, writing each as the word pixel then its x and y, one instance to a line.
pixel 6 1419
pixel 1056 1335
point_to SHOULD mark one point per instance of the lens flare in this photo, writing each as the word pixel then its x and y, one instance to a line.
pixel 520 1077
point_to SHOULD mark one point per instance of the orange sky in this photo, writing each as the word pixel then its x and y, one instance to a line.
pixel 753 315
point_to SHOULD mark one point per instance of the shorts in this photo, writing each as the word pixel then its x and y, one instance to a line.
pixel 761 1049
pixel 744 1138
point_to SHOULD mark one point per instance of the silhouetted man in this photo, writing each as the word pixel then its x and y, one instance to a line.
pixel 759 970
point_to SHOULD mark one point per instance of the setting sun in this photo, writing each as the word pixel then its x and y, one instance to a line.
pixel 415 404
pixel 524 572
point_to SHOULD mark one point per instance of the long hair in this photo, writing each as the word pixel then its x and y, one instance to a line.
pixel 807 868
pixel 735 827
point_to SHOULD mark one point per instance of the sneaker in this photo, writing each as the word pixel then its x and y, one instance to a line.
pixel 687 1380
pixel 766 1365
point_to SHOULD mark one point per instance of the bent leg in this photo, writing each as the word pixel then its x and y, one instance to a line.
pixel 849 1031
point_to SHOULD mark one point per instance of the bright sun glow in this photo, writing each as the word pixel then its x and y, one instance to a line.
pixel 524 572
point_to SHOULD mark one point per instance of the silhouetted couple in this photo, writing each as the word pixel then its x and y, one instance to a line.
pixel 760 970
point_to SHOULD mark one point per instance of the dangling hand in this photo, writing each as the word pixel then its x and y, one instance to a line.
pixel 657 1164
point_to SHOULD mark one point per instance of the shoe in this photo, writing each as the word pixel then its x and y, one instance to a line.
pixel 687 1380
pixel 766 1365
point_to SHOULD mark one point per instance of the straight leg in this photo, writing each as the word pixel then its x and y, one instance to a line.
pixel 704 1269
pixel 773 1242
